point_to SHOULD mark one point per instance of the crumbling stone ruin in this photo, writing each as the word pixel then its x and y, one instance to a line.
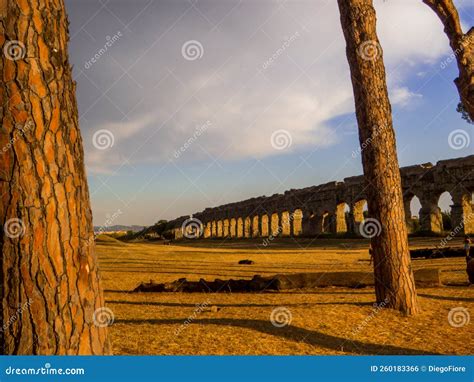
pixel 322 209
pixel 423 278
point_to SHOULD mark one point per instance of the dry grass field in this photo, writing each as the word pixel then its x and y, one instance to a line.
pixel 323 321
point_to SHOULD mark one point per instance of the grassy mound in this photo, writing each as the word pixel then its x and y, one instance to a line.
pixel 105 239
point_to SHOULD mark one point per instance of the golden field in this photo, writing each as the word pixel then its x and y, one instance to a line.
pixel 323 321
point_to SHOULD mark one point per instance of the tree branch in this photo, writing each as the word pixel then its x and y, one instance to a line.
pixel 462 46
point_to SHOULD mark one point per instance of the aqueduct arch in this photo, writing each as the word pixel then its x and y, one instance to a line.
pixel 338 207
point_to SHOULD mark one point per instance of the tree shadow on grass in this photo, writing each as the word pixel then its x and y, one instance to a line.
pixel 293 333
pixel 446 298
pixel 177 304
pixel 292 292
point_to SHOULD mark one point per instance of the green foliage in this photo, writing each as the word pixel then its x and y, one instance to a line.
pixel 464 114
pixel 160 226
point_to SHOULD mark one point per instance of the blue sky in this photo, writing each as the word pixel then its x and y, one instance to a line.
pixel 253 71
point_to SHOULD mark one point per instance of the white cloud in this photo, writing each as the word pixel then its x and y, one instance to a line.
pixel 306 86
pixel 403 96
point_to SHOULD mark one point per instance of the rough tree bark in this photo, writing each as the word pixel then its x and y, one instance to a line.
pixel 463 49
pixel 50 285
pixel 395 287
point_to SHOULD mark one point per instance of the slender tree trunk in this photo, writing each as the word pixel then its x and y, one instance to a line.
pixel 394 283
pixel 50 285
pixel 463 49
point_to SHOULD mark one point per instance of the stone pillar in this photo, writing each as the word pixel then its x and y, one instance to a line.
pixel 356 216
pixel 326 223
pixel 321 223
pixel 275 224
pixel 219 228
pixel 207 230
pixel 264 231
pixel 340 218
pixel 213 228
pixel 256 224
pixel 430 214
pixel 226 225
pixel 285 223
pixel 462 213
pixel 408 219
pixel 233 227
pixel 240 228
pixel 247 227
pixel 297 223
pixel 306 223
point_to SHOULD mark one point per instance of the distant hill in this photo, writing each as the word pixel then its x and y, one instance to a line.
pixel 118 228
pixel 154 232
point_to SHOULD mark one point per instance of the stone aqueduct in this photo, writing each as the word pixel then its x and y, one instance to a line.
pixel 323 209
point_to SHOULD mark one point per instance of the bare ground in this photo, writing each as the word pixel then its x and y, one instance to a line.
pixel 323 321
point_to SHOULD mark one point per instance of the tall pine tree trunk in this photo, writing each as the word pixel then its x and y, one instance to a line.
pixel 50 285
pixel 394 283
